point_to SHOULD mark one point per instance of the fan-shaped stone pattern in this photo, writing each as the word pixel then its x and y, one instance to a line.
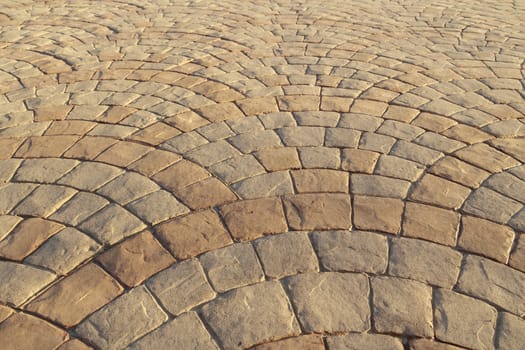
pixel 261 159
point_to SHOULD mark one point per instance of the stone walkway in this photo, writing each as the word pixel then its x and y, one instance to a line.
pixel 266 174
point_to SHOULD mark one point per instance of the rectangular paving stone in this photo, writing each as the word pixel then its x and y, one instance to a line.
pixel 249 219
pixel 510 332
pixel 318 211
pixel 459 171
pixel 211 153
pixel 286 254
pixel 320 180
pixel 302 136
pixel 427 344
pixel 376 185
pixel 237 168
pixel 463 321
pixel 330 302
pixel 232 267
pixel 378 214
pixel 431 223
pixel 122 321
pixel 416 153
pixel 64 251
pixel 351 251
pixel 184 332
pixel 354 341
pixel 20 282
pixel 304 342
pixel 255 140
pixel 491 205
pixel 89 176
pixel 251 315
pixel 85 290
pixel 46 170
pixel 181 287
pixel 424 261
pixel 486 157
pixel 79 208
pixel 128 187
pixel 376 142
pixel 398 168
pixel 264 185
pixel 440 192
pixel 275 159
pixel 496 283
pixel 401 306
pixel 358 160
pixel 319 157
pixel 44 200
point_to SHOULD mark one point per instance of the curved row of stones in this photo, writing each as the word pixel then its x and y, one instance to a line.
pixel 146 158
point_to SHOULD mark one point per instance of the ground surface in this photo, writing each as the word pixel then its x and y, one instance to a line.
pixel 277 174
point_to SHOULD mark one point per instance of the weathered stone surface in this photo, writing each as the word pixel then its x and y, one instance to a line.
pixel 287 254
pixel 5 312
pixel 111 224
pixel 122 321
pixel 319 157
pixel 249 219
pixel 265 185
pixel 275 159
pixel 26 237
pixel 320 180
pixel 20 282
pixel 510 332
pixel 75 297
pixel 184 332
pixel 79 208
pixel 493 282
pixel 423 261
pixel 237 168
pixel 364 341
pixel 128 187
pixel 402 306
pixel 157 207
pixel 74 344
pixel 437 191
pixel 181 287
pixel 46 170
pixel 44 200
pixel 517 257
pixel 376 185
pixel 302 136
pixel 180 175
pixel 304 342
pixel 64 251
pixel 318 211
pixel 251 315
pixel 398 167
pixel 463 321
pixel 193 234
pixel 89 176
pixel 22 331
pixel 136 259
pixel 459 171
pixel 486 238
pixel 358 160
pixel 426 344
pixel 351 251
pixel 232 267
pixel 330 302
pixel 431 223
pixel 491 205
pixel 378 214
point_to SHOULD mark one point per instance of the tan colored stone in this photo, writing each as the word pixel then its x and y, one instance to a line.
pixel 45 146
pixel 378 214
pixel 193 234
pixel 89 147
pixel 45 113
pixel 459 171
pixel 431 223
pixel 517 257
pixel 207 193
pixel 5 312
pixel 359 161
pixel 364 341
pixel 180 175
pixel 320 180
pixel 335 103
pixel 27 236
pixel 219 112
pixel 400 113
pixel 123 153
pixel 136 259
pixel 427 344
pixel 9 145
pixel 303 342
pixel 467 134
pixel 433 122
pixel 155 134
pixel 298 103
pixel 369 107
pixel 69 127
pixel 22 331
pixel 74 344
pixel 435 190
pixel 486 238
pixel 274 159
pixel 153 162
pixel 250 219
pixel 75 297
pixel 318 211
pixel 258 105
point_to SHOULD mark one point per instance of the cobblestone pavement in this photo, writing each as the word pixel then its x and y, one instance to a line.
pixel 262 174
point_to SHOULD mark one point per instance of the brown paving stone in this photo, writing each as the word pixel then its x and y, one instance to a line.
pixel 427 344
pixel 275 159
pixel 136 259
pixel 123 153
pixel 75 297
pixel 9 145
pixel 400 113
pixel 27 236
pixel 486 238
pixel 431 223
pixel 435 190
pixel 359 161
pixel 486 157
pixel 320 180
pixel 335 103
pixel 369 107
pixel 45 146
pixel 517 257
pixel 153 162
pixel 5 312
pixel 22 331
pixel 74 344
pixel 378 214
pixel 250 219
pixel 155 134
pixel 69 127
pixel 354 341
pixel 207 193
pixel 304 342
pixel 318 211
pixel 43 114
pixel 258 105
pixel 180 175
pixel 459 171
pixel 89 147
pixel 298 103
pixel 219 112
pixel 193 234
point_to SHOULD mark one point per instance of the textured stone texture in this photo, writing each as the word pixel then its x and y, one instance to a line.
pixel 330 301
pixel 318 211
pixel 364 341
pixel 510 332
pixel 305 342
pixel 251 315
pixel 181 287
pixel 402 306
pixel 463 321
pixel 351 251
pixel 378 214
pixel 431 223
pixel 287 254
pixel 122 321
pixel 20 282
